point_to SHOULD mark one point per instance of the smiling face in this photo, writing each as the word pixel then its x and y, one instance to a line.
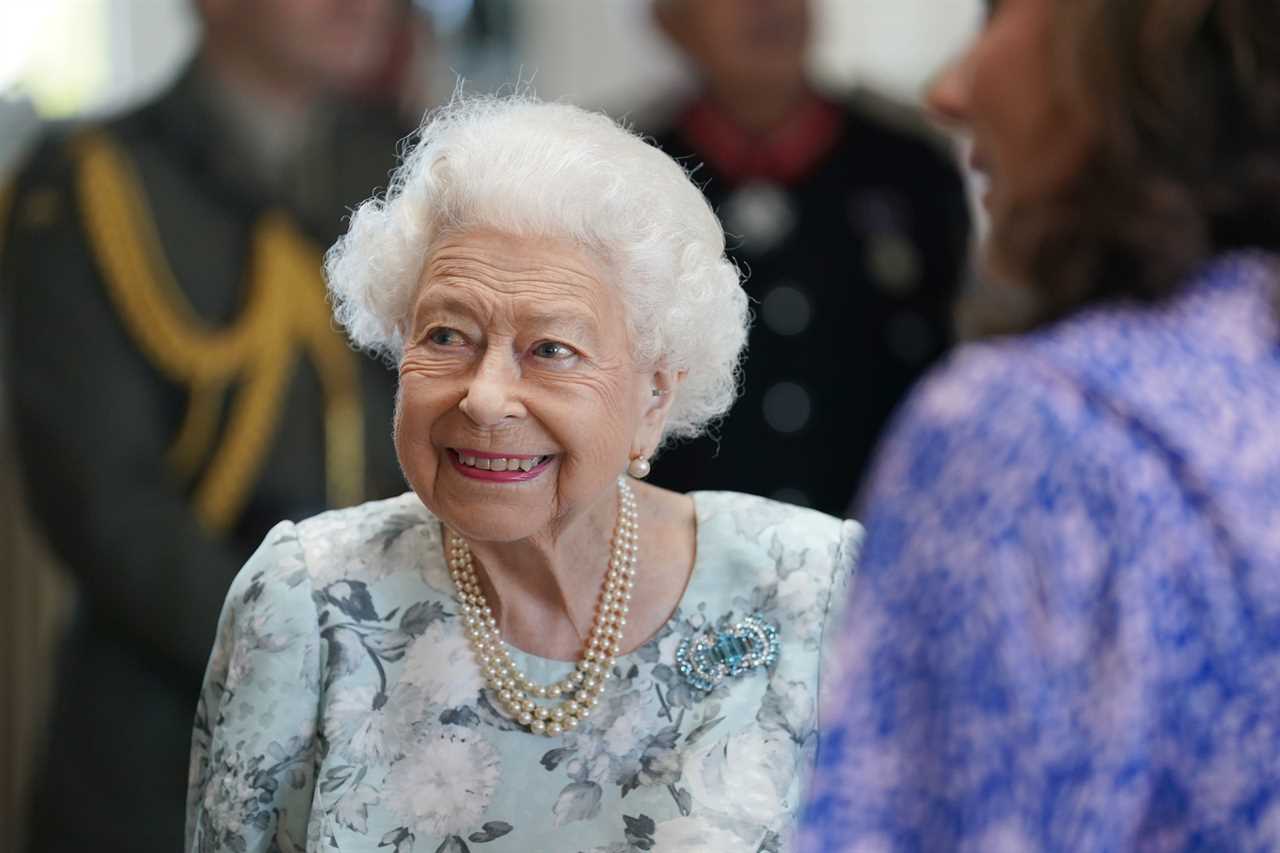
pixel 520 402
pixel 1030 137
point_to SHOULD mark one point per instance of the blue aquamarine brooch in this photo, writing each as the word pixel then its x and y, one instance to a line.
pixel 709 658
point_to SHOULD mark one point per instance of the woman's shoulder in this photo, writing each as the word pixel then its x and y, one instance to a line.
pixel 991 390
pixel 1137 356
pixel 747 529
pixel 751 515
pixel 370 541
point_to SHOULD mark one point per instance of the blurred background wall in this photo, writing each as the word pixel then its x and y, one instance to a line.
pixel 67 59
pixel 95 56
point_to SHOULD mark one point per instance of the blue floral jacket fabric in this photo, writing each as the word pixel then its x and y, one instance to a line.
pixel 343 708
pixel 1066 630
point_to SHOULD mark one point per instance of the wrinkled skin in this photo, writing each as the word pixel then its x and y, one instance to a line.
pixel 519 346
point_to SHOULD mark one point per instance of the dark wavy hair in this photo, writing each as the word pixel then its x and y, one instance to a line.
pixel 1185 99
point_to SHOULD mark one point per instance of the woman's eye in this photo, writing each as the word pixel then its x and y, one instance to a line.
pixel 553 350
pixel 445 337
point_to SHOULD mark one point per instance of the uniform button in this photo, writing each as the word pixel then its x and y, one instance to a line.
pixel 787 407
pixel 799 497
pixel 786 310
pixel 894 262
pixel 761 213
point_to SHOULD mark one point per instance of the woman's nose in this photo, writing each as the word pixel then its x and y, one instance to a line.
pixel 493 392
pixel 947 96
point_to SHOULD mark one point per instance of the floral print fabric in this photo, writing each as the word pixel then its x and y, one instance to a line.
pixel 1066 630
pixel 343 708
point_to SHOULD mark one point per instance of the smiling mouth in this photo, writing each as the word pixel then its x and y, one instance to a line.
pixel 490 462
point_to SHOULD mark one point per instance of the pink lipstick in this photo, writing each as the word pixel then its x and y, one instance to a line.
pixel 498 467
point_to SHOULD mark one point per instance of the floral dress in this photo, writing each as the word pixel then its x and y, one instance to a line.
pixel 343 708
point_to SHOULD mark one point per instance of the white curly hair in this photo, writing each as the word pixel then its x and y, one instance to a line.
pixel 529 168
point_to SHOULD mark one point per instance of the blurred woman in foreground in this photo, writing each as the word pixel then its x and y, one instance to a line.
pixel 1066 633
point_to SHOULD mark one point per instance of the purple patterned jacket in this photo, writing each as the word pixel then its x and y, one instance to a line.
pixel 1065 633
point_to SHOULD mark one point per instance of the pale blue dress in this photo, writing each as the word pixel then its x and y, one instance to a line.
pixel 343 708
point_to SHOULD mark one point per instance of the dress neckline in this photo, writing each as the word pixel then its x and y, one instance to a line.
pixel 537 666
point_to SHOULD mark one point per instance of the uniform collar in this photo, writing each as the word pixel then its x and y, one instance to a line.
pixel 784 155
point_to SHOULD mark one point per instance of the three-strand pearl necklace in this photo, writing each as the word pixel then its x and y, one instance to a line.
pixel 517 694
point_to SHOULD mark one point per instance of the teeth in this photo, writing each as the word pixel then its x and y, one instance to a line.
pixel 504 463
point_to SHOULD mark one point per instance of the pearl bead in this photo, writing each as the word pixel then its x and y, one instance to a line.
pixel 513 688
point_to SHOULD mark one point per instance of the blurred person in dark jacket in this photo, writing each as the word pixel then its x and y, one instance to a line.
pixel 177 385
pixel 852 229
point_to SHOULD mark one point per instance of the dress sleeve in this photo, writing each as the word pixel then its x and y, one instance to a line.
pixel 844 574
pixel 253 745
pixel 967 712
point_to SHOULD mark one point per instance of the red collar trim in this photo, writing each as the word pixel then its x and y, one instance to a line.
pixel 784 155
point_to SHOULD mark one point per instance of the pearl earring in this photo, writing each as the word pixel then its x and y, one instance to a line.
pixel 639 467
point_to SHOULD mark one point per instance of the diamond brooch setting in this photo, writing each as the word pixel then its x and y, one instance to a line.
pixel 709 658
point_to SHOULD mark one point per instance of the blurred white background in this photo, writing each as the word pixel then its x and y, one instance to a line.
pixel 60 58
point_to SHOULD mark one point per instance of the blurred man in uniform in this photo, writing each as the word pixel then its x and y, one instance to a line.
pixel 177 383
pixel 852 230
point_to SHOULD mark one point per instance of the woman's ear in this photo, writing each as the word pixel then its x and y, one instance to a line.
pixel 659 395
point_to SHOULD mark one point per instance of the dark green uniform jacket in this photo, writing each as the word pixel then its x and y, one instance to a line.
pixel 178 388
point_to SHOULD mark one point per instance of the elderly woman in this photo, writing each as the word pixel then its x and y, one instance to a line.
pixel 1066 632
pixel 531 650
